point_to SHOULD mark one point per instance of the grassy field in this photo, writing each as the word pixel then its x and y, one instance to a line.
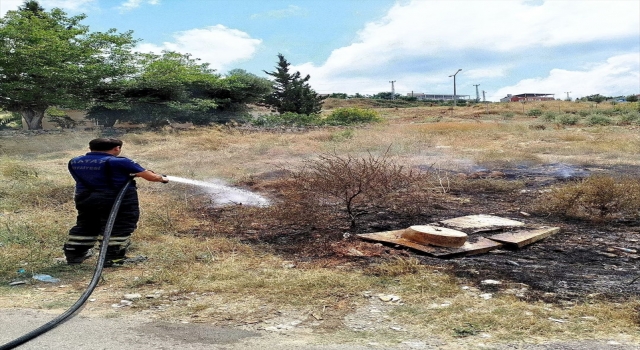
pixel 198 272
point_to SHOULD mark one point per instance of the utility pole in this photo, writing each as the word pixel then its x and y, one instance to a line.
pixel 393 90
pixel 484 100
pixel 477 94
pixel 568 98
pixel 454 86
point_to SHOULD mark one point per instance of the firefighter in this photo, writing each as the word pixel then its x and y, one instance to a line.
pixel 100 175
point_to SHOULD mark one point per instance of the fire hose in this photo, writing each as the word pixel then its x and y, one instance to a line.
pixel 92 285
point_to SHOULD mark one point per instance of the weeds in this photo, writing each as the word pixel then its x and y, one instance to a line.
pixel 598 119
pixel 567 119
pixel 351 116
pixel 549 116
pixel 467 330
pixel 597 198
pixel 534 112
pixel 629 118
pixel 508 115
pixel 396 267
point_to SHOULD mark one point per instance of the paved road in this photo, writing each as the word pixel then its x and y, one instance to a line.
pixel 83 332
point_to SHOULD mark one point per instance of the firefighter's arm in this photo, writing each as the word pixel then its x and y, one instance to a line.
pixel 151 176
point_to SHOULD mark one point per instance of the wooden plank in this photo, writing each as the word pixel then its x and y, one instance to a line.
pixel 395 237
pixel 480 223
pixel 435 236
pixel 475 245
pixel 524 237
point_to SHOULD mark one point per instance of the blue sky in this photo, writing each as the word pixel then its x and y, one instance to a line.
pixel 506 46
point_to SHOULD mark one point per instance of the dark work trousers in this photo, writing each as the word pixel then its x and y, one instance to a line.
pixel 94 208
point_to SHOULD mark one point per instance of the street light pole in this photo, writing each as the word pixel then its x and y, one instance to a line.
pixel 454 86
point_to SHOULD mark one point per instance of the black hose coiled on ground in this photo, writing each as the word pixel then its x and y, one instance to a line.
pixel 92 285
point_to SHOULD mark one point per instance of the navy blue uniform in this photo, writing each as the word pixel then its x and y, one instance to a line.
pixel 99 177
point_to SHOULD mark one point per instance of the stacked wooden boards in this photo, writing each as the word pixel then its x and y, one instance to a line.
pixel 463 236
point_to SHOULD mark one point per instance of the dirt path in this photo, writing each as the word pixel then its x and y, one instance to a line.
pixel 89 332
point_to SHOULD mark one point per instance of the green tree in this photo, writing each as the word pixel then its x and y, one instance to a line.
pixel 632 98
pixel 385 95
pixel 176 87
pixel 50 59
pixel 292 92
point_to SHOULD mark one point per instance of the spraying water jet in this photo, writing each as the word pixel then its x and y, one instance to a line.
pixel 223 194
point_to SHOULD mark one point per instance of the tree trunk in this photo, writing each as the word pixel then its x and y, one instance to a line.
pixel 33 118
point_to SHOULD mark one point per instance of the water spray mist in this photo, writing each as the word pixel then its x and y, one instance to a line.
pixel 223 194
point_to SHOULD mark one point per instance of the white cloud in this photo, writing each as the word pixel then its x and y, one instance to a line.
pixel 443 33
pixel 290 11
pixel 9 5
pixel 218 45
pixel 132 4
pixel 488 72
pixel 619 75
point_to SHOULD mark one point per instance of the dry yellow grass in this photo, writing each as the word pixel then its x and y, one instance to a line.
pixel 221 280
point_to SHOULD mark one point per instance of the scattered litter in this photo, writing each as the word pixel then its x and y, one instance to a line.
pixel 609 255
pixel 438 306
pixel 388 297
pixel 45 278
pixel 524 213
pixel 398 329
pixel 135 260
pixel 589 318
pixel 613 342
pixel 355 252
pixel 288 264
pixel 92 300
pixel 557 320
pixel 498 251
pixel 490 282
pixel 512 263
pixel 626 250
pixel 17 283
pixel 486 296
pixel 133 296
pixel 122 303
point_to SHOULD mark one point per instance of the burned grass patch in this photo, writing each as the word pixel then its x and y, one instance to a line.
pixel 586 261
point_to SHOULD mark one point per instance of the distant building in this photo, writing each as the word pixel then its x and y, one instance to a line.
pixel 528 97
pixel 436 97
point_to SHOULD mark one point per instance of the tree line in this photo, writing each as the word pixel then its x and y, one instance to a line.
pixel 51 60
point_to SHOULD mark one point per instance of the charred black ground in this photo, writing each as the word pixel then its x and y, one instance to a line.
pixel 584 261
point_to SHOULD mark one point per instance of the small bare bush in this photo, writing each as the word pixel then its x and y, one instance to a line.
pixel 357 184
pixel 597 198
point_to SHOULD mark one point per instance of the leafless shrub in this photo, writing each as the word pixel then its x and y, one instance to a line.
pixel 597 198
pixel 355 185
